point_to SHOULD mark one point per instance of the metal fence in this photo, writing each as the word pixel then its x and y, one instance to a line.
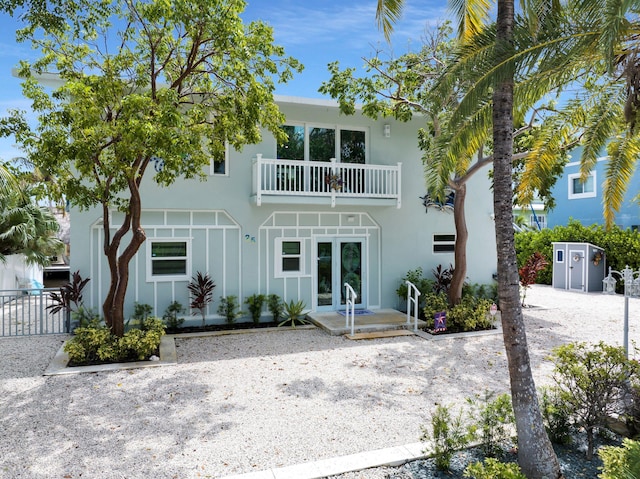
pixel 23 312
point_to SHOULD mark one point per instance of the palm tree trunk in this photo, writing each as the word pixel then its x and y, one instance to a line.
pixel 536 456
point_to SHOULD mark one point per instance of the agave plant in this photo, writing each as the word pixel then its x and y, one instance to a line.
pixel 201 289
pixel 293 311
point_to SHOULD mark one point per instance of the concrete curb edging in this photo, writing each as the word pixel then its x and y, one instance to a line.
pixel 393 456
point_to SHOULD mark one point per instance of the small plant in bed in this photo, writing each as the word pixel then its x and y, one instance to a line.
pixel 471 314
pixel 201 289
pixel 294 313
pixel 96 344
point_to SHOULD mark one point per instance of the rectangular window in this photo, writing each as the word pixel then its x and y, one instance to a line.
pixel 559 256
pixel 168 260
pixel 322 143
pixel 542 221
pixel 289 257
pixel 220 162
pixel 579 189
pixel 444 243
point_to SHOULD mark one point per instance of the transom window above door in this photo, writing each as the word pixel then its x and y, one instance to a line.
pixel 321 143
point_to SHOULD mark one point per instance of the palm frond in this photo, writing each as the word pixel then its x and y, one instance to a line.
pixel 388 12
pixel 624 153
pixel 471 15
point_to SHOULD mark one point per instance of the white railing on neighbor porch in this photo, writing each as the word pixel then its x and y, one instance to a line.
pixel 325 179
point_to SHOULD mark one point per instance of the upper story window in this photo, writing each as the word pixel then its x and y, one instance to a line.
pixel 541 220
pixel 321 143
pixel 580 189
pixel 220 162
pixel 168 260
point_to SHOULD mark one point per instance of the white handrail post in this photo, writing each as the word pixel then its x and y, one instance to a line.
pixel 351 303
pixel 412 299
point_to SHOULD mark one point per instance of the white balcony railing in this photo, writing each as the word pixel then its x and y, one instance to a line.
pixel 331 180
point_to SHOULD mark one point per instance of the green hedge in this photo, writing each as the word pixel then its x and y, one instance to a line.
pixel 621 247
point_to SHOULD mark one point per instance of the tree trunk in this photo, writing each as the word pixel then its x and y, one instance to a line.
pixel 535 453
pixel 113 306
pixel 460 255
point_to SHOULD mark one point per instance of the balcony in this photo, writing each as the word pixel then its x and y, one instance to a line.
pixel 323 182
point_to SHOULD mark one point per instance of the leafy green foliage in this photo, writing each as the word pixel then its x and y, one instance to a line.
pixel 423 284
pixel 448 434
pixel 622 247
pixel 255 303
pixel 141 311
pixel 591 380
pixel 276 307
pixel 294 313
pixel 170 316
pixel 621 462
pixel 228 308
pixel 187 78
pixel 201 290
pixel 443 277
pixel 95 343
pixel 471 314
pixel 556 415
pixel 492 421
pixel 493 469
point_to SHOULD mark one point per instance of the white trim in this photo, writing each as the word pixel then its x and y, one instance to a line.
pixel 577 163
pixel 587 194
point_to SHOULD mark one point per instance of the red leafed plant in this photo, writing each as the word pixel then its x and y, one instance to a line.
pixel 529 271
pixel 201 289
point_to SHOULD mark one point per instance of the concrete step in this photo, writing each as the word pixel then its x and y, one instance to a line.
pixel 380 334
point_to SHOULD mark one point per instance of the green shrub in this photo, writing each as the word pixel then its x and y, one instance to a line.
pixel 622 247
pixel 255 302
pixel 493 469
pixel 471 314
pixel 229 308
pixel 96 344
pixel 423 284
pixel 556 416
pixel 434 303
pixel 592 381
pixel 448 435
pixel 170 316
pixel 275 306
pixel 492 421
pixel 621 462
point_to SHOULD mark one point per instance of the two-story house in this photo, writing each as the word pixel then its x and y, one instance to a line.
pixel 339 202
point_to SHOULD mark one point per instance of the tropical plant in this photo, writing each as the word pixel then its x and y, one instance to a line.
pixel 201 290
pixel 293 311
pixel 228 308
pixel 557 416
pixel 118 111
pixel 591 380
pixel 491 468
pixel 491 421
pixel 621 462
pixel 448 434
pixel 141 311
pixel 489 106
pixel 443 278
pixel 170 316
pixel 529 272
pixel 275 306
pixel 423 284
pixel 255 303
pixel 69 298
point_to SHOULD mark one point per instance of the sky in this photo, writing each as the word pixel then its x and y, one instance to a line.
pixel 315 32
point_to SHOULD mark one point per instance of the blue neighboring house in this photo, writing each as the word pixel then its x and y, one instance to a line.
pixel 583 201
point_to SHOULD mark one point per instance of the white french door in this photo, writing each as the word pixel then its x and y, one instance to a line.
pixel 339 260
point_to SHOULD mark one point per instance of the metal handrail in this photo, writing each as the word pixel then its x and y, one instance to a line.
pixel 351 297
pixel 412 299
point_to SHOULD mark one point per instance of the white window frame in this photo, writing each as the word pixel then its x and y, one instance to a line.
pixel 337 128
pixel 588 194
pixel 279 256
pixel 212 168
pixel 151 278
pixel 559 256
pixel 451 243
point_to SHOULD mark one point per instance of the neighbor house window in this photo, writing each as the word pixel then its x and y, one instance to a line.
pixel 289 257
pixel 542 220
pixel 168 260
pixel 582 189
pixel 444 243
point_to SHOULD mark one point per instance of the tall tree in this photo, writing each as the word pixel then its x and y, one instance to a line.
pixel 535 453
pixel 148 89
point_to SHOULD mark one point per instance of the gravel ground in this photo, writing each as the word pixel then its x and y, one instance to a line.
pixel 249 402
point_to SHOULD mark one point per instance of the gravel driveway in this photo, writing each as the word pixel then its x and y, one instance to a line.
pixel 249 402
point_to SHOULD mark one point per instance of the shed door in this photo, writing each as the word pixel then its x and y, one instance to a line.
pixel 576 270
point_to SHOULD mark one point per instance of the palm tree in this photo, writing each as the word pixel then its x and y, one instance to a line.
pixel 536 455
